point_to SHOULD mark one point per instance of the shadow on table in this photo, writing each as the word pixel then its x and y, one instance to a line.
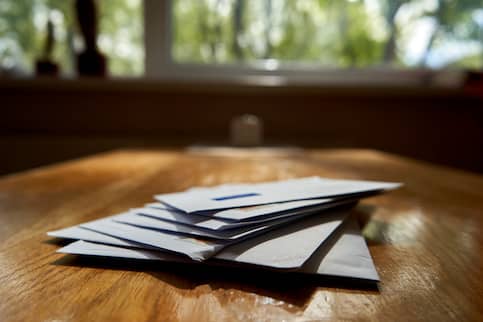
pixel 293 288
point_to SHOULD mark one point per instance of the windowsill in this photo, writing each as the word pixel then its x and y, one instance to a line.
pixel 269 85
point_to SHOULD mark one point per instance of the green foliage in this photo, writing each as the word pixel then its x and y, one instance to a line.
pixel 334 33
pixel 330 33
pixel 121 35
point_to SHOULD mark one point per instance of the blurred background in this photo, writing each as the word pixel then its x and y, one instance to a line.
pixel 394 75
pixel 310 33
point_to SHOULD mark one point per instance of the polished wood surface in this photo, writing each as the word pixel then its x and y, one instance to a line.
pixel 426 241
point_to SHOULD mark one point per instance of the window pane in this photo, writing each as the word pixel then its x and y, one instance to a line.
pixel 121 36
pixel 345 33
pixel 23 25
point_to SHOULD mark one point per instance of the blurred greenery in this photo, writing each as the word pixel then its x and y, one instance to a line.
pixel 327 33
pixel 331 33
pixel 23 31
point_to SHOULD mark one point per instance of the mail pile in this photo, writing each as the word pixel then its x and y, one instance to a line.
pixel 298 225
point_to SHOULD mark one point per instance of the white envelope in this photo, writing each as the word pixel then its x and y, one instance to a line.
pixel 257 212
pixel 284 248
pixel 251 215
pixel 194 248
pixel 83 247
pixel 156 211
pixel 242 195
pixel 345 255
pixel 76 232
pixel 232 234
pixel 287 247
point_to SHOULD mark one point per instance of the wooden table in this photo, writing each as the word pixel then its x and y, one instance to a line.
pixel 426 241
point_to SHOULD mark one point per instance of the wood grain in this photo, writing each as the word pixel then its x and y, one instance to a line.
pixel 425 239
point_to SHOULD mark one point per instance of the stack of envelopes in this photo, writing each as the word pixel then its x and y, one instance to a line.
pixel 297 225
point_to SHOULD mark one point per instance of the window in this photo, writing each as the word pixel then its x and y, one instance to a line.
pixel 305 38
pixel 23 28
pixel 325 33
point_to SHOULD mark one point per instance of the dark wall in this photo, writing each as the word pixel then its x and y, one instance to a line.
pixel 48 121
